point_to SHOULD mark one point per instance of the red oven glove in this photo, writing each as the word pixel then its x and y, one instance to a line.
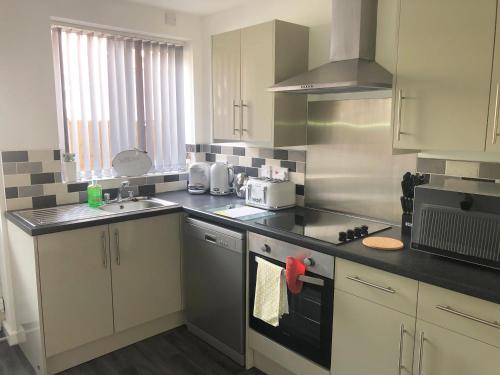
pixel 294 268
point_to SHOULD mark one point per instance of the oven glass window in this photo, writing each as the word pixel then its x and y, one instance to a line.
pixel 307 328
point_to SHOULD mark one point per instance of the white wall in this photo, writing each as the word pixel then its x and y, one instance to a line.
pixel 28 117
pixel 316 14
pixel 27 98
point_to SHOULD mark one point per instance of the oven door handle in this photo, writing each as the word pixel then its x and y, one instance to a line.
pixel 311 280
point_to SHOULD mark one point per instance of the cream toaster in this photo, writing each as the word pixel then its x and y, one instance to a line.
pixel 270 194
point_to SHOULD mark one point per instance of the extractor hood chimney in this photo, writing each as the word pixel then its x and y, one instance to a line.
pixel 352 53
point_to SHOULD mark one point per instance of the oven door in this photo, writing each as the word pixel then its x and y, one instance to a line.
pixel 307 328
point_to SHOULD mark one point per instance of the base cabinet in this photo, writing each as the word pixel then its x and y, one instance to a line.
pixel 370 338
pixel 75 285
pixel 439 351
pixel 100 281
pixel 146 268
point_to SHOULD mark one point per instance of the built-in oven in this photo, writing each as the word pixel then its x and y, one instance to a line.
pixel 307 328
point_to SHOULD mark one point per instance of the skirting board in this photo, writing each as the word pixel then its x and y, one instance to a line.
pixel 293 363
pixel 109 344
pixel 13 337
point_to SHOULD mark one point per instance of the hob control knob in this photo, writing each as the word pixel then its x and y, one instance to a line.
pixel 350 234
pixel 358 232
pixel 342 236
pixel 364 229
pixel 266 248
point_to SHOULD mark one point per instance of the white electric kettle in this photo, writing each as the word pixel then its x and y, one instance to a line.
pixel 221 179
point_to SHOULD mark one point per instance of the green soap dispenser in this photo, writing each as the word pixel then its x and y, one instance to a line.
pixel 94 194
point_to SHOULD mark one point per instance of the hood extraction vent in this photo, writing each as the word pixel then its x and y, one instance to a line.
pixel 352 53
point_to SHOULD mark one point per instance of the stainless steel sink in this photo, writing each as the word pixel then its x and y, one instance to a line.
pixel 136 205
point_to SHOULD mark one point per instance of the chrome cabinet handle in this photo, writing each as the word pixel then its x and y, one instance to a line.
pixel 421 353
pixel 117 243
pixel 357 279
pixel 495 117
pixel 400 103
pixel 235 129
pixel 243 105
pixel 401 338
pixel 104 253
pixel 467 316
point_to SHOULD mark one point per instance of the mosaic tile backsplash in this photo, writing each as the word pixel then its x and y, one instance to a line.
pixel 250 159
pixel 488 171
pixel 33 178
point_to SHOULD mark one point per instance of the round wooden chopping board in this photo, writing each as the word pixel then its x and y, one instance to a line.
pixel 383 243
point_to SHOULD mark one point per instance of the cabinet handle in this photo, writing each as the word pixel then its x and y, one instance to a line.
pixel 117 243
pixel 235 129
pixel 104 253
pixel 357 279
pixel 400 104
pixel 467 316
pixel 243 105
pixel 495 116
pixel 421 353
pixel 401 339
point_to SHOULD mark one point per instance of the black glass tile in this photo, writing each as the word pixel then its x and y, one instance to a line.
pixel 240 151
pixel 77 187
pixel 291 165
pixel 252 172
pixel 215 149
pixel 57 154
pixel 147 190
pixel 210 157
pixel 44 201
pixel 42 178
pixel 281 154
pixel 11 192
pixel 299 190
pixel 14 156
pixel 171 177
pixel 239 169
pixel 258 162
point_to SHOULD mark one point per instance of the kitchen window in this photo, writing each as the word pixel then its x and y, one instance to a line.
pixel 116 93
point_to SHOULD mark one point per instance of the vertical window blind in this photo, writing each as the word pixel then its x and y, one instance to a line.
pixel 120 93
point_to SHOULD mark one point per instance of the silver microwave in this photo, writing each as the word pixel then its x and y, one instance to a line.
pixel 459 219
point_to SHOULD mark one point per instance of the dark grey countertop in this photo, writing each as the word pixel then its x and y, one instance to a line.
pixel 461 277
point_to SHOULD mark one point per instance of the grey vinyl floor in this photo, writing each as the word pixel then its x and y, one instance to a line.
pixel 176 352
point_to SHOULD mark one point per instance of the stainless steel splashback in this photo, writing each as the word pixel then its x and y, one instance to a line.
pixel 350 165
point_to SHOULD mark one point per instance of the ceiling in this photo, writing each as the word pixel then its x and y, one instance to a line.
pixel 201 7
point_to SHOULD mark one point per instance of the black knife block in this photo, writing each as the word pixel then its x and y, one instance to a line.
pixel 406 223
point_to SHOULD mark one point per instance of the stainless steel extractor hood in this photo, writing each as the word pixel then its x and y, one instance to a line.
pixel 352 53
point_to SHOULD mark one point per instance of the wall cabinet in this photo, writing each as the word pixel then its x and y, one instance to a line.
pixel 443 74
pixel 370 336
pixel 493 133
pixel 98 281
pixel 244 64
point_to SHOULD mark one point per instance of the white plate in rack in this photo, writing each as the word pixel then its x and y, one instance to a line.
pixel 130 163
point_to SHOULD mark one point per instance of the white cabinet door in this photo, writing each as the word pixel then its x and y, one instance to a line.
pixel 369 338
pixel 226 86
pixel 75 286
pixel 493 134
pixel 445 352
pixel 146 268
pixel 443 74
pixel 257 74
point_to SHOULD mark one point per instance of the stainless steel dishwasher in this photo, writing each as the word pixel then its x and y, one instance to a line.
pixel 214 285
